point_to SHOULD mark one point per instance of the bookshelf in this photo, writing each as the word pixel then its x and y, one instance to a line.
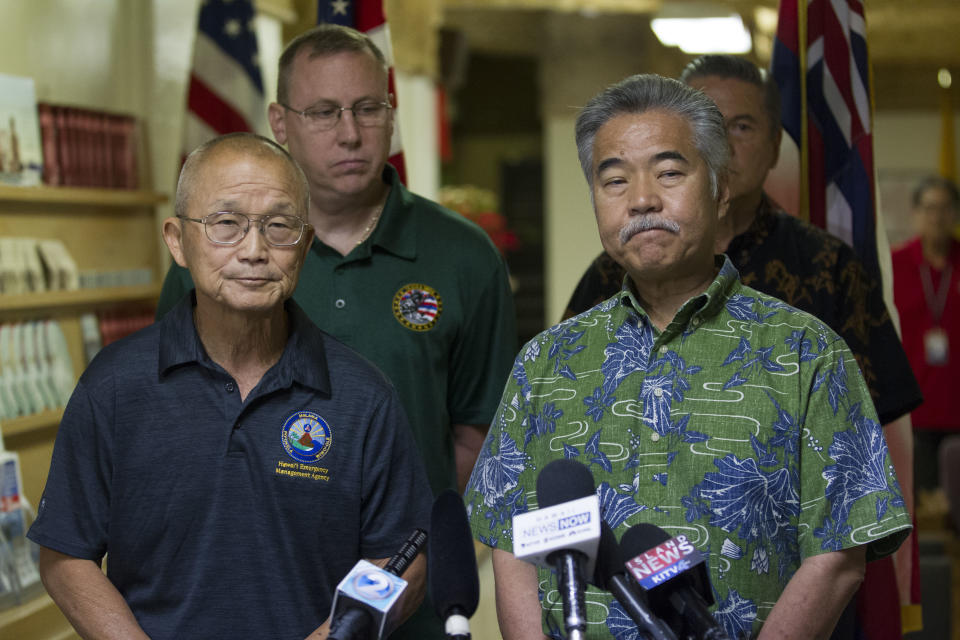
pixel 104 230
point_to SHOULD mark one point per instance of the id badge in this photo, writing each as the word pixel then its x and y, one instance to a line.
pixel 937 346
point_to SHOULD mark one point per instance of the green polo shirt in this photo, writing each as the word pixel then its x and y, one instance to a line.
pixel 744 425
pixel 425 298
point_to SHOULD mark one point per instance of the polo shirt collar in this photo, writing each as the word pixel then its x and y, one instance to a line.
pixel 396 231
pixel 303 360
pixel 698 309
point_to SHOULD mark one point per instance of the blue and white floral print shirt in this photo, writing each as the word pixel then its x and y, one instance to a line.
pixel 744 425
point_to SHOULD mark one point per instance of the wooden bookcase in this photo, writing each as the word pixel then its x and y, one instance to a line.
pixel 103 230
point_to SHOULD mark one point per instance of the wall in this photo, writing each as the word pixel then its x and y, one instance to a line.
pixel 573 69
pixel 906 146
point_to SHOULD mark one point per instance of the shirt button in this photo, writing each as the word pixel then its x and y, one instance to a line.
pixel 658 392
pixel 655 437
pixel 228 387
pixel 663 349
pixel 340 303
pixel 696 322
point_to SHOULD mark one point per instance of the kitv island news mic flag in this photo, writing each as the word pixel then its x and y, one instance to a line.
pixel 367 16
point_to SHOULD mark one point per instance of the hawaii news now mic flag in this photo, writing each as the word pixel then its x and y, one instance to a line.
pixel 820 65
pixel 226 89
pixel 367 16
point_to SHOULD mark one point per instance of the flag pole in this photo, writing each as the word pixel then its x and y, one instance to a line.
pixel 804 204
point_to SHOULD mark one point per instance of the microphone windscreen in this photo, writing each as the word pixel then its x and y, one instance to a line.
pixel 609 560
pixel 562 481
pixel 641 537
pixel 451 561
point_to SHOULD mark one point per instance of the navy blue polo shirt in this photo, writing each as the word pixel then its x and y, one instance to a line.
pixel 224 518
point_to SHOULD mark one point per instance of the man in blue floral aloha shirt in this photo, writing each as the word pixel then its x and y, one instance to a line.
pixel 699 405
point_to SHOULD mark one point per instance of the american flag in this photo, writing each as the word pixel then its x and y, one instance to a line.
pixel 367 16
pixel 820 64
pixel 226 89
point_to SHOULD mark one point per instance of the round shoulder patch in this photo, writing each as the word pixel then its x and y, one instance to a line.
pixel 417 306
pixel 306 436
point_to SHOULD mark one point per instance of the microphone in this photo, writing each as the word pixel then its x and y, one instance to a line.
pixel 404 556
pixel 611 575
pixel 673 574
pixel 563 534
pixel 452 565
pixel 366 603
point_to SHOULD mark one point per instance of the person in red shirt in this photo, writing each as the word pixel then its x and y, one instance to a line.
pixel 926 286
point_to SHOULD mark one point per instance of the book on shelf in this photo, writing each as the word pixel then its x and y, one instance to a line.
pixel 31 265
pixel 88 148
pixel 36 371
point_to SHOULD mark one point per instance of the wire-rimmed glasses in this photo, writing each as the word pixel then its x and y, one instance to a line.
pixel 230 227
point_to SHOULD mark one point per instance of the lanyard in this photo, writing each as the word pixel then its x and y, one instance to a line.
pixel 936 301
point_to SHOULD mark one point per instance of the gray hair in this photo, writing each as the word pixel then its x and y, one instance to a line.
pixel 729 66
pixel 647 92
pixel 244 142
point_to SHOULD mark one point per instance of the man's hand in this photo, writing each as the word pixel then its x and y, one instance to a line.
pixel 416 577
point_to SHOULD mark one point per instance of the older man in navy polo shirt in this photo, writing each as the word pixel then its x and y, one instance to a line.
pixel 221 456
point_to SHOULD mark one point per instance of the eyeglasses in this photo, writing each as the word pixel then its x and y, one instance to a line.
pixel 228 227
pixel 326 116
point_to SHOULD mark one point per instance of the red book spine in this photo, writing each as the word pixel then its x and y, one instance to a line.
pixel 131 178
pixel 64 152
pixel 48 134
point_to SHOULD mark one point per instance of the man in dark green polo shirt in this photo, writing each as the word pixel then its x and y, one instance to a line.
pixel 415 288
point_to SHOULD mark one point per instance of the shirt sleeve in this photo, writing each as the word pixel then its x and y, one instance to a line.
pixel 395 493
pixel 849 491
pixel 73 514
pixel 501 479
pixel 484 348
pixel 176 284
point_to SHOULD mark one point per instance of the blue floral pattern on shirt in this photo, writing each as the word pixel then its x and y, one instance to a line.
pixel 744 424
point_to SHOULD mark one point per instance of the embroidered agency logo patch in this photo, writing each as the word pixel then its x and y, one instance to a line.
pixel 417 306
pixel 306 436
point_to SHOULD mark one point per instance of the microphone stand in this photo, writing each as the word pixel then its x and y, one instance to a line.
pixel 570 577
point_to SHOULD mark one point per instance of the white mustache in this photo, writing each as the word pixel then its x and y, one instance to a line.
pixel 645 223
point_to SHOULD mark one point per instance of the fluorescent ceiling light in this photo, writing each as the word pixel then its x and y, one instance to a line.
pixel 711 34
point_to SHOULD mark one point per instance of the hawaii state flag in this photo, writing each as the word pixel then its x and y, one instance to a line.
pixel 821 67
pixel 367 16
pixel 226 89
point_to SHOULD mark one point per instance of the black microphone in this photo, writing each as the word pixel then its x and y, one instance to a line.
pixel 559 482
pixel 452 565
pixel 611 575
pixel 404 556
pixel 674 577
pixel 368 601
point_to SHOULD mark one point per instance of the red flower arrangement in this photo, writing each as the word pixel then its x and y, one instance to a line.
pixel 479 205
